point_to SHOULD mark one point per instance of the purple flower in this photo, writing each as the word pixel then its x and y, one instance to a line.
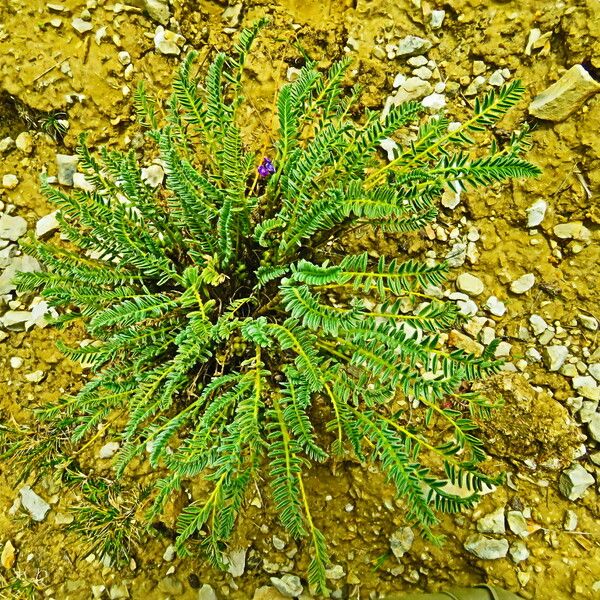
pixel 266 168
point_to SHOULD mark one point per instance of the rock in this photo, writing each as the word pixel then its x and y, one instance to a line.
pixel 434 102
pixel 570 521
pixel 10 181
pixel 537 324
pixel 495 306
pixel 16 362
pixel 492 522
pixel 15 320
pixel 523 284
pixel 236 562
pixel 503 349
pixel 554 357
pixel 469 284
pixel 594 371
pixel 37 507
pixel 411 45
pixel 206 592
pixel 158 10
pixel 475 86
pixel 24 263
pixel 36 376
pixel 118 591
pixel 517 523
pixel 109 450
pixel 588 322
pixel 124 57
pixel 81 183
pixel 66 168
pixel 335 572
pixel 566 96
pixel 401 541
pixel 171 586
pixel 423 73
pixel 518 551
pixel 81 26
pixel 47 225
pixel 437 18
pixel 8 556
pixel 98 591
pixel 456 255
pixel 574 481
pixel 485 547
pixel 12 228
pixel 153 175
pixel 575 230
pixel 389 146
pixel 231 15
pixel 536 213
pixel 479 67
pixel 413 88
pixel 594 427
pixel 496 79
pixel 168 42
pixel 266 592
pixel 288 585
pixel 24 142
pixel 456 339
pixel 6 144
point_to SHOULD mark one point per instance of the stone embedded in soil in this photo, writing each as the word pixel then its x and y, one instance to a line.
pixel 23 263
pixel 288 585
pixel 518 551
pixel 10 181
pixel 517 523
pixel 170 586
pixel 588 322
pixel 434 102
pixel 267 592
pixel 37 507
pixel 335 572
pixel 47 225
pixel 15 320
pixel 566 96
pixel 538 325
pixel 12 228
pixel 469 284
pixel 411 45
pixel 570 521
pixel 6 144
pixel 236 562
pixel 206 592
pixel 401 541
pixel 496 78
pixel 437 18
pixel 109 450
pixel 118 591
pixel 9 555
pixel 81 26
pixel 536 213
pixel 98 591
pixel 35 377
pixel 523 284
pixel 66 165
pixel 594 427
pixel 475 86
pixel 574 481
pixel 554 357
pixel 158 10
pixel 485 547
pixel 495 306
pixel 153 175
pixel 231 15
pixel 574 230
pixel 81 183
pixel 492 522
pixel 24 142
pixel 168 42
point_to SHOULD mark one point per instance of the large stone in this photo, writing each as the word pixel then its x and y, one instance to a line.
pixel 566 96
pixel 66 165
pixel 522 284
pixel 15 320
pixel 288 585
pixel 492 522
pixel 206 592
pixel 24 263
pixel 554 357
pixel 469 284
pixel 411 45
pixel 47 225
pixel 168 42
pixel 158 10
pixel 236 562
pixel 573 230
pixel 574 481
pixel 37 507
pixel 485 547
pixel 517 523
pixel 12 228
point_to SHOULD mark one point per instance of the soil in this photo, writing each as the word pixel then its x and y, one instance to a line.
pixel 46 67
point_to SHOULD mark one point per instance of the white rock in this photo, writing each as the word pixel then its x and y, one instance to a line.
pixel 423 73
pixel 153 175
pixel 10 181
pixel 36 376
pixel 206 592
pixel 594 371
pixel 288 585
pixel 401 541
pixel 522 284
pixel 231 15
pixel 15 320
pixel 66 165
pixel 588 322
pixel 475 86
pixel 485 547
pixel 479 67
pixel 517 523
pixel 437 18
pixel 536 213
pixel 158 10
pixel 451 197
pixel 554 357
pixel 566 96
pixel 534 36
pixel 594 427
pixel 12 228
pixel 236 562
pixel 168 42
pixel 469 284
pixel 81 183
pixel 170 553
pixel 398 81
pixel 24 263
pixel 518 551
pixel 574 481
pixel 124 57
pixel 503 349
pixel 24 142
pixel 7 143
pixel 537 324
pixel 533 355
pixel 109 450
pixel 492 522
pixel 495 306
pixel 47 225
pixel 16 362
pixel 434 102
pixel 411 45
pixel 81 26
pixel 389 146
pixel 496 79
pixel 37 507
pixel 574 230
pixel 417 61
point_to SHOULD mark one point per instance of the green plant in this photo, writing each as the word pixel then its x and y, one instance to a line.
pixel 226 308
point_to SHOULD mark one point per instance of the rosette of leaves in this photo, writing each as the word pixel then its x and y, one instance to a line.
pixel 224 308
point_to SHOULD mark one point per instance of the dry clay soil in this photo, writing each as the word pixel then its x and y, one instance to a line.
pixel 41 64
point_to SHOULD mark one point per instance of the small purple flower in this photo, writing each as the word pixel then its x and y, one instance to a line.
pixel 266 168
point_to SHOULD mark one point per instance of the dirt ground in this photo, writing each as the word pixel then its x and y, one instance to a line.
pixel 46 65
